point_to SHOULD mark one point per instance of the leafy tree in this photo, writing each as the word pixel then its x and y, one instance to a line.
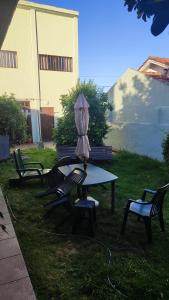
pixel 66 132
pixel 159 9
pixel 12 120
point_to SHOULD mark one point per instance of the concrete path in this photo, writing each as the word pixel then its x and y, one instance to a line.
pixel 15 283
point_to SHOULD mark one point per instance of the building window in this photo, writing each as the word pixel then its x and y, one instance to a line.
pixel 55 63
pixel 8 59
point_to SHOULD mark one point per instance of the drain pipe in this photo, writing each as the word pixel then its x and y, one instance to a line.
pixel 40 144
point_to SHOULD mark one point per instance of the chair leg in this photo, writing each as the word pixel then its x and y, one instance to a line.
pixel 79 192
pixel 94 214
pixel 57 202
pixel 68 206
pixel 124 221
pixel 147 222
pixel 50 203
pixel 48 213
pixel 76 220
pixel 161 220
pixel 91 223
pixel 138 218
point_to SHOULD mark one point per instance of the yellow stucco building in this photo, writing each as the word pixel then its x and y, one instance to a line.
pixel 39 62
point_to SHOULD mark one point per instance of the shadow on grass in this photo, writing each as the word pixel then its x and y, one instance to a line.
pixel 62 266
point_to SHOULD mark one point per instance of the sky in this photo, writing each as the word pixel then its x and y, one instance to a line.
pixel 111 39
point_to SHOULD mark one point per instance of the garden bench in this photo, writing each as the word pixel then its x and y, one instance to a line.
pixel 96 153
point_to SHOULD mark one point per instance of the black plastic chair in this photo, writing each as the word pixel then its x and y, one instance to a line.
pixel 75 178
pixel 54 178
pixel 147 210
pixel 26 173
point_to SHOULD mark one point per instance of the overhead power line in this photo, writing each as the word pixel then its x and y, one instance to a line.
pixel 99 76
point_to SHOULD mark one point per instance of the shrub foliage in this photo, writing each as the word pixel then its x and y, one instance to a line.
pixel 165 147
pixel 66 133
pixel 12 120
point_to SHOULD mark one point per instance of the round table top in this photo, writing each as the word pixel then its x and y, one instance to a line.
pixel 95 174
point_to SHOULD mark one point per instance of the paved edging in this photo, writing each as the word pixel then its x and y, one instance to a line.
pixel 15 282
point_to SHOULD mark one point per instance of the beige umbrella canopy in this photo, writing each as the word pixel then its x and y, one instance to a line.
pixel 82 121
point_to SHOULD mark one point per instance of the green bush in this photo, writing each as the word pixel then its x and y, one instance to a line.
pixel 65 133
pixel 165 147
pixel 12 120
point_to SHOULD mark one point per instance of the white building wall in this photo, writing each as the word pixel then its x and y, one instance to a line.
pixel 140 118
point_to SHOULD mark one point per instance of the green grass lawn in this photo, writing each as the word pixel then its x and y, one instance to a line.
pixel 76 268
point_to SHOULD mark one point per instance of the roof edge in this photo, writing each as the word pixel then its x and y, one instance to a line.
pixel 46 8
pixel 153 59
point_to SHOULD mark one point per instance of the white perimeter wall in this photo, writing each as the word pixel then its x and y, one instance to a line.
pixel 140 119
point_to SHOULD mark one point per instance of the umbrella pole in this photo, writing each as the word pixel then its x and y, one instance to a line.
pixel 85 163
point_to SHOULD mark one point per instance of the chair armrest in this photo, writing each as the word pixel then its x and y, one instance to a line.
pixel 147 191
pixel 58 192
pixel 34 163
pixel 47 192
pixel 30 169
pixel 136 201
pixel 56 202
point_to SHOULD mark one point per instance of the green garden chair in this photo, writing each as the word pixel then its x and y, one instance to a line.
pixel 27 171
pixel 147 209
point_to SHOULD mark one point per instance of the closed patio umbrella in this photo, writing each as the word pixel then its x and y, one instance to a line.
pixel 82 121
